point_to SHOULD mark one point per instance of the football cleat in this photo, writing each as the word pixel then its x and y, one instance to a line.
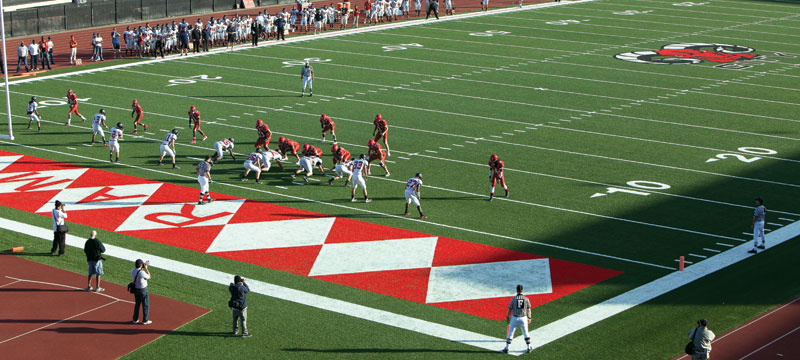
pixel 193 141
pixel 367 200
pixel 145 127
pixel 205 137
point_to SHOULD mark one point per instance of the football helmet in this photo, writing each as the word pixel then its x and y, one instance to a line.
pixel 175 131
pixel 281 140
pixel 493 157
pixel 378 117
pixel 119 125
pixel 371 142
pixel 334 148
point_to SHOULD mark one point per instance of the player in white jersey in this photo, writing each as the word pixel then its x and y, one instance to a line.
pixel 253 163
pixel 359 168
pixel 98 123
pixel 113 141
pixel 417 6
pixel 221 147
pixel 412 194
pixel 267 157
pixel 342 169
pixel 307 165
pixel 168 147
pixel 33 113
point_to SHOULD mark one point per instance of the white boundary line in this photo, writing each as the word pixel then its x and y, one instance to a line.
pixel 68 287
pixel 769 343
pixel 57 322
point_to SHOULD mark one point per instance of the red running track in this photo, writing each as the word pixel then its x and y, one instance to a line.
pixel 49 307
pixel 772 335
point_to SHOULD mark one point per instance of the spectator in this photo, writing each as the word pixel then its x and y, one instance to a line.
pixel 73 50
pixel 127 35
pixel 45 53
pixel 50 49
pixel 701 338
pixel 255 32
pixel 196 36
pixel 140 275
pixel 98 43
pixel 94 48
pixel 356 14
pixel 206 38
pixel 59 229
pixel 22 56
pixel 280 23
pixel 238 303
pixel 94 250
pixel 115 43
pixel 33 51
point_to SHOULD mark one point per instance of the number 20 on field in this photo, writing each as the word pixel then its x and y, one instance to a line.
pixel 742 158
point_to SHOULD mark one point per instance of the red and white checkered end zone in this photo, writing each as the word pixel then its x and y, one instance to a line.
pixel 453 274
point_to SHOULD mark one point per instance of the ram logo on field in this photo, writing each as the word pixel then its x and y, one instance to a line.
pixel 689 54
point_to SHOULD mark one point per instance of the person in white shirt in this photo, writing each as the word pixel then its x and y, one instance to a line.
pixel 168 147
pixel 359 177
pixel 22 56
pixel 33 51
pixel 98 44
pixel 253 163
pixel 412 194
pixel 33 113
pixel 307 165
pixel 50 50
pixel 341 170
pixel 140 275
pixel 113 141
pixel 98 123
pixel 59 229
pixel 267 157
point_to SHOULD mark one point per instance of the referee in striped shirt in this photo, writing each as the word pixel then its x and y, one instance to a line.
pixel 519 315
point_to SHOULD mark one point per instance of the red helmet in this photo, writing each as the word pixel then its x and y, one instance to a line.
pixel 135 101
pixel 323 116
pixel 334 148
pixel 306 146
pixel 281 140
pixel 493 157
pixel 378 117
pixel 192 108
pixel 69 90
pixel 371 142
pixel 259 123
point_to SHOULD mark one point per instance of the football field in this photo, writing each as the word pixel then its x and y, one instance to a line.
pixel 633 133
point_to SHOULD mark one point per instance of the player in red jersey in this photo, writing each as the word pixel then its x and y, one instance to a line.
pixel 194 122
pixel 137 111
pixel 340 155
pixel 311 150
pixel 264 134
pixel 376 153
pixel 496 174
pixel 381 131
pixel 327 124
pixel 72 101
pixel 287 146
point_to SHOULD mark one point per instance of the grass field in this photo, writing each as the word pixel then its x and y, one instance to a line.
pixel 611 163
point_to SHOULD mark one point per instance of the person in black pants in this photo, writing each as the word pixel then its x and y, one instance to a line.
pixel 159 46
pixel 206 38
pixel 59 229
pixel 196 39
pixel 254 33
pixel 281 24
pixel 433 5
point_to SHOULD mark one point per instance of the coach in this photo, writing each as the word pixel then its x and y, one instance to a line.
pixel 433 5
pixel 59 229
pixel 280 22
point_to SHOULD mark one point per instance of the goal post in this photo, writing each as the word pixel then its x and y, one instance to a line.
pixel 10 135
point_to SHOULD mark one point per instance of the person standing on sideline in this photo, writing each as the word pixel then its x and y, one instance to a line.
pixel 412 194
pixel 433 5
pixel 307 74
pixel 204 178
pixel 73 50
pixel 33 51
pixel 59 229
pixel 45 51
pixel 115 43
pixel 140 275
pixel 94 250
pixel 238 304
pixel 701 337
pixel 280 24
pixel 50 49
pixel 206 38
pixel 22 56
pixel 255 31
pixel 196 36
pixel 98 44
pixel 759 219
pixel 518 315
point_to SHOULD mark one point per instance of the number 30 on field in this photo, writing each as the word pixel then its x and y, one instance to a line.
pixel 400 47
pixel 641 184
pixel 742 158
pixel 490 33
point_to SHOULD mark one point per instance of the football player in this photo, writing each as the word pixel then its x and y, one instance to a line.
pixel 267 157
pixel 311 150
pixel 98 123
pixel 264 135
pixel 221 147
pixel 194 122
pixel 496 174
pixel 376 153
pixel 253 163
pixel 341 169
pixel 381 131
pixel 358 168
pixel 113 141
pixel 168 147
pixel 307 164
pixel 72 101
pixel 412 194
pixel 287 146
pixel 137 111
pixel 33 114
pixel 327 124
pixel 339 154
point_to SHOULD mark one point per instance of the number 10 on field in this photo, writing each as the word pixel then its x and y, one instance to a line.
pixel 641 184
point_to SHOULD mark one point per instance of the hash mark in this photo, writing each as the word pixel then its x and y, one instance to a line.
pixel 507 133
pixel 700 256
pixel 444 148
pixel 404 158
pixel 724 244
pixel 517 130
pixel 248 114
pixel 496 137
pixel 282 187
pixel 431 151
pixel 775 224
pixel 234 116
pixel 785 219
pixel 71 148
pixel 459 145
pixel 712 250
pixel 684 261
pixel 470 142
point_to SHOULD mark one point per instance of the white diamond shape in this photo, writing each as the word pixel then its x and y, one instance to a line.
pixel 272 234
pixel 43 180
pixel 72 196
pixel 483 281
pixel 382 255
pixel 8 160
pixel 214 213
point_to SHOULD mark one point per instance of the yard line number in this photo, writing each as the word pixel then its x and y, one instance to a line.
pixel 400 46
pixel 632 12
pixel 565 22
pixel 184 81
pixel 291 63
pixel 46 103
pixel 641 184
pixel 689 3
pixel 490 33
pixel 742 158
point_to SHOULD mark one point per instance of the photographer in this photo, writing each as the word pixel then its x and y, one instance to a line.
pixel 59 229
pixel 238 304
pixel 140 275
pixel 94 250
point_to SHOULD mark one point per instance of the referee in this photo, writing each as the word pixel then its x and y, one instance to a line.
pixel 519 315
pixel 433 5
pixel 307 74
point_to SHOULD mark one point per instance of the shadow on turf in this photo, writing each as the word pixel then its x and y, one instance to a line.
pixel 131 329
pixel 383 350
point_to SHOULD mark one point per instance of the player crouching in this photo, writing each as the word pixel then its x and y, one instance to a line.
pixel 412 194
pixel 267 157
pixel 168 147
pixel 33 113
pixel 253 163
pixel 327 124
pixel 287 146
pixel 113 141
pixel 98 123
pixel 496 173
pixel 221 147
pixel 307 164
pixel 376 153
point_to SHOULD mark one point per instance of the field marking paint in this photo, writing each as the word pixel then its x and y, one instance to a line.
pixel 685 261
pixel 278 292
pixel 699 256
pixel 71 148
pixel 774 224
pixel 723 244
pixel 59 321
pixel 712 250
pixel 69 287
pixel 770 343
pixel 358 209
pixel 606 309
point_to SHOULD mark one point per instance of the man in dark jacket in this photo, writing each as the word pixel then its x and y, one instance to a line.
pixel 206 38
pixel 94 250
pixel 280 23
pixel 254 33
pixel 238 303
pixel 196 36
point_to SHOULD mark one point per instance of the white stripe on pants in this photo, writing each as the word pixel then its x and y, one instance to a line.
pixel 522 323
pixel 758 232
pixel 307 82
